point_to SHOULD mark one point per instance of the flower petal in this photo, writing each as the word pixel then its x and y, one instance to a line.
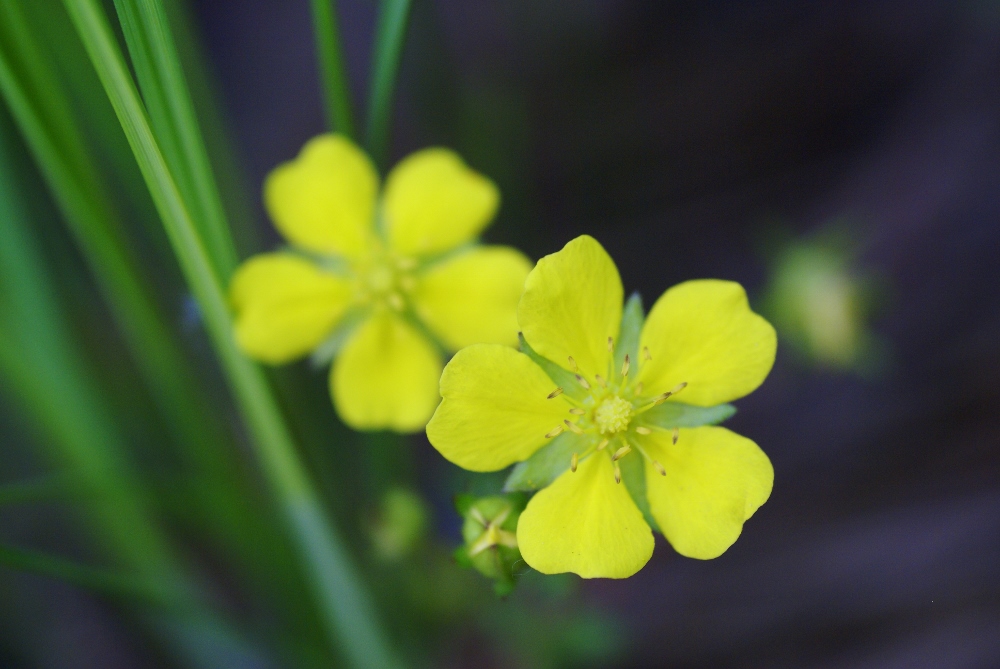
pixel 703 333
pixel 472 298
pixel 494 410
pixel 285 306
pixel 572 303
pixel 433 202
pixel 585 523
pixel 386 377
pixel 324 200
pixel 715 481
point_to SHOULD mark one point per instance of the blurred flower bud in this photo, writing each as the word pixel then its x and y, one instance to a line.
pixel 400 525
pixel 490 535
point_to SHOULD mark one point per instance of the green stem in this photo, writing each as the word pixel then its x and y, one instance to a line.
pixel 390 31
pixel 347 609
pixel 161 79
pixel 333 73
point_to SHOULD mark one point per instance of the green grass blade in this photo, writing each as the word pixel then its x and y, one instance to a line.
pixel 345 604
pixel 390 32
pixel 41 107
pixel 43 371
pixel 171 111
pixel 333 73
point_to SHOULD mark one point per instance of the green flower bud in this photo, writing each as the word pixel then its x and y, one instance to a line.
pixel 490 536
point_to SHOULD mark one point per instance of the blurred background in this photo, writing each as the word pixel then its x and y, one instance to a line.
pixel 841 160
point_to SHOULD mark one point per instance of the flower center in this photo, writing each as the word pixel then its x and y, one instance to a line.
pixel 613 415
pixel 382 279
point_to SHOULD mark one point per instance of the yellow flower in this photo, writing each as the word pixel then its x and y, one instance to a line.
pixel 608 410
pixel 377 278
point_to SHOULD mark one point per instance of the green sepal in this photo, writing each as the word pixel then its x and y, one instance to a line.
pixel 546 464
pixel 561 377
pixel 504 588
pixel 633 318
pixel 461 557
pixel 463 502
pixel 634 478
pixel 677 414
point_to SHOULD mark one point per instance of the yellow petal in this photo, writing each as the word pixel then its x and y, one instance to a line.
pixel 285 306
pixel 324 200
pixel 494 410
pixel 585 523
pixel 572 303
pixel 433 202
pixel 715 481
pixel 386 377
pixel 472 298
pixel 703 333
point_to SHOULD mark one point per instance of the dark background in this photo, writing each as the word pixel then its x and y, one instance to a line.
pixel 681 134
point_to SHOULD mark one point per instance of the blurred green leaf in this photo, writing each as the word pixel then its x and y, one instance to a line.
pixel 333 72
pixel 390 32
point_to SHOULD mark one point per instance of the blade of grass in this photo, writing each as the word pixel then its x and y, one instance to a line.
pixel 175 125
pixel 42 369
pixel 333 73
pixel 348 611
pixel 390 32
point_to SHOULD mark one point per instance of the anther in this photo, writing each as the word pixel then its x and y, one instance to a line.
pixel 577 411
pixel 604 442
pixel 625 366
pixel 643 430
pixel 679 387
pixel 611 344
pixel 638 388
pixel 600 380
pixel 621 453
pixel 659 468
pixel 555 393
pixel 573 427
pixel 583 382
pixel 645 353
pixel 554 432
pixel 572 363
pixel 618 473
pixel 573 462
pixel 677 435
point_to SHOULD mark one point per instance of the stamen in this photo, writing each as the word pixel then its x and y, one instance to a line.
pixel 611 344
pixel 573 427
pixel 621 453
pixel 659 468
pixel 572 363
pixel 643 430
pixel 677 434
pixel 679 387
pixel 604 442
pixel 618 473
pixel 554 432
pixel 600 380
pixel 577 411
pixel 407 283
pixel 583 382
pixel 645 353
pixel 625 366
pixel 395 301
pixel 406 263
pixel 573 462
pixel 638 389
pixel 555 393
pixel 660 399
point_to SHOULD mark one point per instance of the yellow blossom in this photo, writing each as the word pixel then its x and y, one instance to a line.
pixel 385 280
pixel 589 402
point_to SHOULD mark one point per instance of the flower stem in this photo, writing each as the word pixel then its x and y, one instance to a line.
pixel 348 611
pixel 333 73
pixel 390 31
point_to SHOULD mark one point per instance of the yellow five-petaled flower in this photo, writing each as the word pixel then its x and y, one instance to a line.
pixel 700 341
pixel 384 279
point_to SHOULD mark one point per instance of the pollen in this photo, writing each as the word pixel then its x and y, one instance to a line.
pixel 613 415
